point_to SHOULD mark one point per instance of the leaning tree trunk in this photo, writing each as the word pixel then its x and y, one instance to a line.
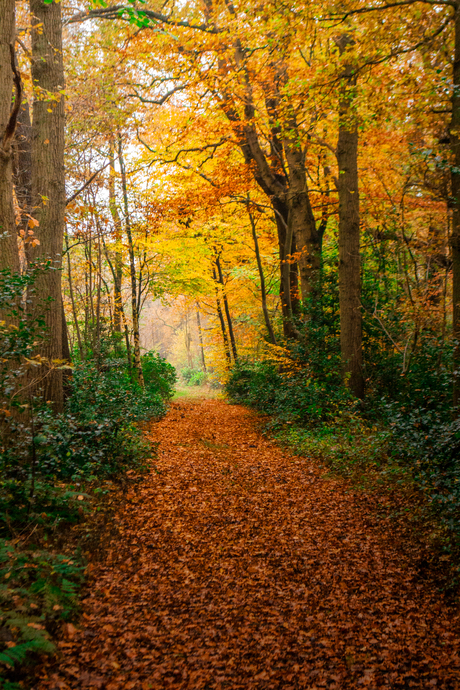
pixel 349 235
pixel 227 310
pixel 9 257
pixel 48 188
pixel 455 234
pixel 263 291
pixel 228 356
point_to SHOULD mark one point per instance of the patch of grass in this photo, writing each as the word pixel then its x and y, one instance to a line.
pixel 196 392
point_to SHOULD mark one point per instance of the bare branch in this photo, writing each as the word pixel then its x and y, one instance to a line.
pixel 87 183
pixel 162 100
pixel 117 12
pixel 389 5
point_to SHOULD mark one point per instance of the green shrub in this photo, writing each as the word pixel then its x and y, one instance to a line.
pixel 193 377
pixel 287 397
pixel 198 378
pixel 159 376
pixel 51 463
pixel 38 590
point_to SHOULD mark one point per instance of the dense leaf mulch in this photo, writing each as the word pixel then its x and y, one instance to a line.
pixel 237 565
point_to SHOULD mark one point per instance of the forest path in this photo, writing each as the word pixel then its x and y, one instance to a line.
pixel 238 566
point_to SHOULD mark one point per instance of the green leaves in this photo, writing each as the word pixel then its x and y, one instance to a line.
pixel 42 587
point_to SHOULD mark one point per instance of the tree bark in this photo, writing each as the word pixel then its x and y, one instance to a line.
pixel 221 320
pixel 48 187
pixel 200 337
pixel 281 220
pixel 118 262
pixel 227 310
pixel 132 264
pixel 72 299
pixel 302 225
pixel 263 292
pixel 349 236
pixel 455 232
pixel 22 172
pixel 122 311
pixel 9 256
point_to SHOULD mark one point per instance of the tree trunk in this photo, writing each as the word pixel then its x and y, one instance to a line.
pixel 302 225
pixel 72 299
pixel 118 263
pixel 286 190
pixel 9 256
pixel 281 220
pixel 349 235
pixel 200 337
pixel 122 311
pixel 48 188
pixel 132 265
pixel 22 173
pixel 227 310
pixel 263 293
pixel 221 320
pixel 455 234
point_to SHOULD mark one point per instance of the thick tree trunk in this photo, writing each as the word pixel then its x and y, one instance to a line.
pixel 9 256
pixel 455 235
pixel 302 225
pixel 349 236
pixel 281 220
pixel 132 265
pixel 48 188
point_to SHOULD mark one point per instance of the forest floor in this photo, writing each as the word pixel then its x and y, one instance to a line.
pixel 236 565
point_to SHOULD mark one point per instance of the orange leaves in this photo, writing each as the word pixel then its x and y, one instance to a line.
pixel 238 566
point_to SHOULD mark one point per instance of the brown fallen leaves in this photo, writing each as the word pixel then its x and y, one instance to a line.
pixel 239 566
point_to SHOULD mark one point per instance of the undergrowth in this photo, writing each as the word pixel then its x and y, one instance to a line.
pixel 403 439
pixel 38 590
pixel 57 467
